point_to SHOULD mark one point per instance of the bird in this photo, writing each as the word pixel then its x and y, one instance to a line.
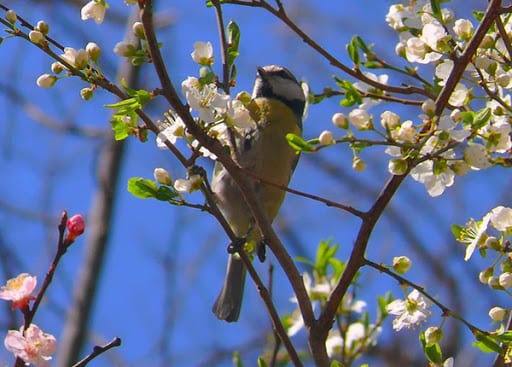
pixel 277 106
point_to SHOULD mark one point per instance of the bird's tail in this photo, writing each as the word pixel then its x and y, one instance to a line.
pixel 229 302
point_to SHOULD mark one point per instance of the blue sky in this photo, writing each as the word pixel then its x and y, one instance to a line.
pixel 165 265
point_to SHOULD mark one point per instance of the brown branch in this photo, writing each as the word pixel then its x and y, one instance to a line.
pixel 320 199
pixel 503 34
pixel 354 72
pixel 320 329
pixel 97 350
pixel 286 262
pixel 383 97
pixel 492 12
pixel 223 46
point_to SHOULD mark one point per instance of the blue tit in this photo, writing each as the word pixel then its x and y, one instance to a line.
pixel 277 107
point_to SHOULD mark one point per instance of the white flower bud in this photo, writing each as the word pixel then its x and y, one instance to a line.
pixel 401 264
pixel 456 115
pixel 94 10
pixel 463 28
pixel 484 275
pixel 57 67
pixel 36 37
pixel 433 335
pixel 389 120
pixel 81 59
pixel 429 107
pixel 487 41
pixel 86 93
pixel 400 49
pixel 505 280
pixel 358 164
pixel 492 243
pixel 503 80
pixel 340 120
pixel 497 313
pixel 46 81
pixel 124 49
pixel 482 62
pixel 138 30
pixel 460 168
pixel 42 27
pixel 203 53
pixel 360 119
pixel 162 176
pixel 326 138
pixel 494 282
pixel 93 50
pixel 11 16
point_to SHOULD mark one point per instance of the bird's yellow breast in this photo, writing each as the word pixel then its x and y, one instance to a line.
pixel 264 151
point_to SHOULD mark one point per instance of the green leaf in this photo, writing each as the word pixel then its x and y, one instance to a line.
pixel 353 51
pixel 304 260
pixel 382 302
pixel 142 188
pixel 362 45
pixel 299 144
pixel 433 352
pixel 338 267
pixel 487 343
pixel 336 363
pixel 262 362
pixel 324 254
pixel 123 104
pixel 478 15
pixel 481 118
pixel 233 39
pixel 352 95
pixel 457 230
pixel 121 130
pixel 166 193
pixel 506 337
pixel 436 9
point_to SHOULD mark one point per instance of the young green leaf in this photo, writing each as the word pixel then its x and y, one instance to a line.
pixel 299 144
pixel 142 188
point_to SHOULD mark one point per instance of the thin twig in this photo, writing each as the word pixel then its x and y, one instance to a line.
pixel 445 310
pixel 354 72
pixel 97 350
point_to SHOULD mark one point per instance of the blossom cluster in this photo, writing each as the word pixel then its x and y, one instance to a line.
pixel 476 235
pixel 473 134
pixel 32 345
pixel 358 334
pixel 214 111
pixel 491 237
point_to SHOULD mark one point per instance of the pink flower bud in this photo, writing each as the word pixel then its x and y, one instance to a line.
pixel 76 226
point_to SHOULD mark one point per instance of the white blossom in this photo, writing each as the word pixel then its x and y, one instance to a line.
pixel 360 119
pixel 475 156
pixel 501 218
pixel 463 28
pixel 94 9
pixel 410 312
pixel 203 53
